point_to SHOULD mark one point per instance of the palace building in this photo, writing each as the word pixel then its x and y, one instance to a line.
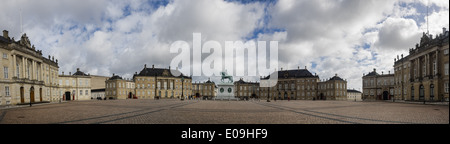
pixel 119 88
pixel 160 83
pixel 378 87
pixel 246 90
pixel 27 76
pixel 423 75
pixel 334 88
pixel 75 87
pixel 300 84
pixel 205 90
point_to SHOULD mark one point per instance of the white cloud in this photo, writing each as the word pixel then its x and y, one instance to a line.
pixel 347 37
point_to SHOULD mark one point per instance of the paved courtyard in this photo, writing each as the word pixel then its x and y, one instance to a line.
pixel 225 112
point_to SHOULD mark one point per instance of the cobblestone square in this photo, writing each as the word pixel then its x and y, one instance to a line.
pixel 225 112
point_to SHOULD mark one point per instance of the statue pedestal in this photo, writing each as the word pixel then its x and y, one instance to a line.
pixel 225 91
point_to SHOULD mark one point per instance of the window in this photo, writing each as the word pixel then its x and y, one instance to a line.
pixel 18 70
pixel 431 92
pixel 5 72
pixel 446 51
pixel 446 69
pixel 81 92
pixel 87 92
pixel 446 87
pixel 28 72
pixel 5 55
pixel 7 91
pixel 412 93
pixel 434 68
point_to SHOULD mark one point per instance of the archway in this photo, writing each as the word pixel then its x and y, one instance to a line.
pixel 421 93
pixel 385 95
pixel 285 95
pixel 322 97
pixel 40 94
pixel 130 95
pixel 32 94
pixel 67 94
pixel 22 93
pixel 197 95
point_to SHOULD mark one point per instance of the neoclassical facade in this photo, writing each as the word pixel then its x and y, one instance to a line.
pixel 378 87
pixel 26 76
pixel 160 83
pixel 300 84
pixel 75 87
pixel 334 88
pixel 205 90
pixel 119 88
pixel 246 90
pixel 424 73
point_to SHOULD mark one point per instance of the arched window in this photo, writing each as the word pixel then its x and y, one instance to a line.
pixel 432 92
pixel 421 93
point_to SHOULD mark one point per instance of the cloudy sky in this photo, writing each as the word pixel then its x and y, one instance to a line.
pixel 344 37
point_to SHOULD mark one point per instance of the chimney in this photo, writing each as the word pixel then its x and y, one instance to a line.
pixel 62 73
pixel 443 31
pixel 382 72
pixel 298 67
pixel 153 66
pixel 113 74
pixel 145 65
pixel 402 56
pixel 78 69
pixel 305 67
pixel 389 72
pixel 281 69
pixel 70 73
pixel 5 34
pixel 374 70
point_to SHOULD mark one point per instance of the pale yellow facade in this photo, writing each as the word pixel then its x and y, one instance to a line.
pixel 26 76
pixel 118 88
pixel 423 75
pixel 75 87
pixel 205 90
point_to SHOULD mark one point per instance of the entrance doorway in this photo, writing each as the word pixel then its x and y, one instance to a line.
pixel 421 93
pixel 22 93
pixel 40 94
pixel 130 95
pixel 385 95
pixel 32 94
pixel 67 96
